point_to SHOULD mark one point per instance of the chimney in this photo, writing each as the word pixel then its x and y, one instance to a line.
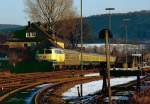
pixel 29 24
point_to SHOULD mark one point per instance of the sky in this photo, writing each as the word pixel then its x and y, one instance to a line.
pixel 13 11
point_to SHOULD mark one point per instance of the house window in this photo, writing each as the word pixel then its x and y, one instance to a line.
pixel 33 34
pixel 30 34
pixel 27 35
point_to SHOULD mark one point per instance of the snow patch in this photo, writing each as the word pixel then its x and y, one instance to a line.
pixel 92 75
pixel 94 86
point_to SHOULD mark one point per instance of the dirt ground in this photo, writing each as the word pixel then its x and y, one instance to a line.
pixel 141 98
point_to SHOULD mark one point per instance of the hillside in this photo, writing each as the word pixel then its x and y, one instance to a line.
pixel 138 26
pixel 8 28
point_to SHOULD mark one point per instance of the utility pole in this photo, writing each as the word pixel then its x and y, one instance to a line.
pixel 108 65
pixel 81 20
pixel 142 59
pixel 126 40
pixel 106 34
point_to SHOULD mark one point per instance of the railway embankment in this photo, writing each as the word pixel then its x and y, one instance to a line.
pixel 13 83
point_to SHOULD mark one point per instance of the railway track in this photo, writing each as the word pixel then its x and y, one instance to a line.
pixel 122 91
pixel 11 82
pixel 26 96
pixel 52 94
pixel 94 99
pixel 58 78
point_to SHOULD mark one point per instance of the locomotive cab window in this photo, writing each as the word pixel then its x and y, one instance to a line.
pixel 48 51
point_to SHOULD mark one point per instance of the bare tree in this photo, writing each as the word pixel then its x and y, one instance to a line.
pixel 71 29
pixel 49 11
pixel 59 17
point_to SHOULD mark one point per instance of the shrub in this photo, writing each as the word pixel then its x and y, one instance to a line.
pixel 32 66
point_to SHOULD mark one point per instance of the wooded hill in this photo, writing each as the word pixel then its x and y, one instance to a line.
pixel 138 26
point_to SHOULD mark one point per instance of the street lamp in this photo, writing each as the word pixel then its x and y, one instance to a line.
pixel 109 13
pixel 126 39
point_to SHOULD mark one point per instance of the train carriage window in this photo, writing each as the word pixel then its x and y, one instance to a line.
pixel 48 51
pixel 56 51
pixel 59 52
pixel 62 52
